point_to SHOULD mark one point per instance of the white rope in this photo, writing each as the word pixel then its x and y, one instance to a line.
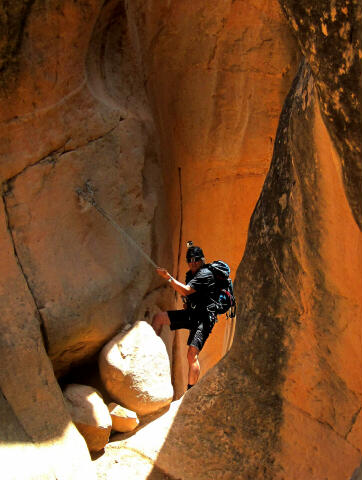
pixel 88 195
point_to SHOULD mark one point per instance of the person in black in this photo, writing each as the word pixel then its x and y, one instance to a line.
pixel 197 315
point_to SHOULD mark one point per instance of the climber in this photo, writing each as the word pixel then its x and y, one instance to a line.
pixel 196 317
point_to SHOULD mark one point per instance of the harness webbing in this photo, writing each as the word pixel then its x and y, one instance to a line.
pixel 88 195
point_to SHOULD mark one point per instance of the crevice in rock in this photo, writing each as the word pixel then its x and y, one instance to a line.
pixel 181 225
pixel 353 421
pixel 54 156
pixel 323 423
pixel 216 46
pixel 6 189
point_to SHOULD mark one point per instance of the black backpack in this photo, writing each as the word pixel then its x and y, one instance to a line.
pixel 224 292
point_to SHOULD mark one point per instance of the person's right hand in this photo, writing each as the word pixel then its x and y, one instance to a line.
pixel 163 273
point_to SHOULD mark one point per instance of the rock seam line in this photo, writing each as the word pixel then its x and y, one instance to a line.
pixel 54 155
pixel 353 421
pixel 38 314
pixel 181 225
pixel 321 422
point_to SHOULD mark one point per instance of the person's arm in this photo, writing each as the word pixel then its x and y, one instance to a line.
pixel 175 284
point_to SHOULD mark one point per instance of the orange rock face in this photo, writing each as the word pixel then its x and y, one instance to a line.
pixel 171 109
pixel 207 68
pixel 62 126
pixel 75 107
pixel 287 397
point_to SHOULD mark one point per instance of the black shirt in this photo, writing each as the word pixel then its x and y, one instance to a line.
pixel 203 283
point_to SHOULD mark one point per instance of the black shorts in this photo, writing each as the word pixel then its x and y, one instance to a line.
pixel 199 323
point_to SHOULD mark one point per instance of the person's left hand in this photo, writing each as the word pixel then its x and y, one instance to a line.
pixel 163 273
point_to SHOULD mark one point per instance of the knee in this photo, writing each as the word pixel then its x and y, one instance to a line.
pixel 159 319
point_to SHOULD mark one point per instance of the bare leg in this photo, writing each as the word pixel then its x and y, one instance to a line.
pixel 158 320
pixel 194 365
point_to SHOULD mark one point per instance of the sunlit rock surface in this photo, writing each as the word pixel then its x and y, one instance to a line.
pixel 287 398
pixel 170 109
pixel 216 75
pixel 330 36
pixel 123 419
pixel 68 280
pixel 89 414
pixel 135 370
pixel 60 131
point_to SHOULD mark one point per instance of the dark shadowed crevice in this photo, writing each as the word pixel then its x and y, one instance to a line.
pixel 181 225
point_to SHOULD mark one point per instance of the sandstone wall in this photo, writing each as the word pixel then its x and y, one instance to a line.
pixel 102 92
pixel 61 130
pixel 170 109
pixel 73 108
pixel 286 401
pixel 206 68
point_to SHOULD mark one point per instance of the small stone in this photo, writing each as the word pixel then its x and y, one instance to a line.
pixel 123 420
pixel 89 414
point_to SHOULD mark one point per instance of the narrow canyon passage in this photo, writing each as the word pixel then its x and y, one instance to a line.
pixel 235 124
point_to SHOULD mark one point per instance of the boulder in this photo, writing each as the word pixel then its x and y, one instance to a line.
pixel 89 414
pixel 135 370
pixel 123 419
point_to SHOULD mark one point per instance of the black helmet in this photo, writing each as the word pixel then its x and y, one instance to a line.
pixel 194 252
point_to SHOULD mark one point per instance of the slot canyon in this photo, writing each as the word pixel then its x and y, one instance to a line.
pixel 236 124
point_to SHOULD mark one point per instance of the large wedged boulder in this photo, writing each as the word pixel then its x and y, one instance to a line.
pixel 135 370
pixel 89 414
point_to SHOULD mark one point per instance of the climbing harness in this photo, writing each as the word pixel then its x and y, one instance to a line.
pixel 87 194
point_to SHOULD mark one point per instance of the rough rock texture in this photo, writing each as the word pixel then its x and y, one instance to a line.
pixel 330 36
pixel 132 95
pixel 68 282
pixel 357 474
pixel 36 432
pixel 89 414
pixel 123 419
pixel 135 370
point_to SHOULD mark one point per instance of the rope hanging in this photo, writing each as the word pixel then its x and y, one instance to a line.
pixel 88 194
